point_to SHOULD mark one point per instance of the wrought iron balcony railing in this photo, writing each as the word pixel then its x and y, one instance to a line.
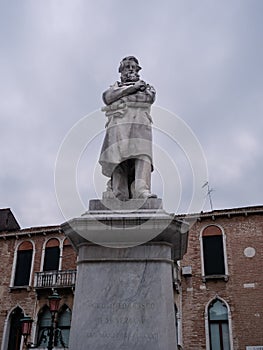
pixel 55 279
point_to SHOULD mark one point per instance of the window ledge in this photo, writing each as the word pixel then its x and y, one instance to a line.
pixel 215 277
pixel 27 288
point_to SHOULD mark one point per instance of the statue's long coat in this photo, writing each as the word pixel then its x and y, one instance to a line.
pixel 128 129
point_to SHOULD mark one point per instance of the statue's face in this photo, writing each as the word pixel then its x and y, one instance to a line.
pixel 129 72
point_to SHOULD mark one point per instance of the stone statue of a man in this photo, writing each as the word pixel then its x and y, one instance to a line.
pixel 126 155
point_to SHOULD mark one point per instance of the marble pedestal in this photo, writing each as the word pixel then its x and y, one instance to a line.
pixel 124 291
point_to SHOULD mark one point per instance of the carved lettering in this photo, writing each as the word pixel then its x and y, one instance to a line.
pixel 123 305
pixel 130 338
pixel 120 320
pixel 123 321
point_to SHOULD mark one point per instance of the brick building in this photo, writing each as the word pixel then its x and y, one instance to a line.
pixel 222 281
pixel 33 261
pixel 217 286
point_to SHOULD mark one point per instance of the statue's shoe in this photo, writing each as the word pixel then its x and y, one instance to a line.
pixel 146 194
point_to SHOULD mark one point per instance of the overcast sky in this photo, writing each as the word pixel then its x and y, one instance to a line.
pixel 203 57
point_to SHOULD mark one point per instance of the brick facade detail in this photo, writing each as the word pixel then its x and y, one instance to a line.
pixel 241 288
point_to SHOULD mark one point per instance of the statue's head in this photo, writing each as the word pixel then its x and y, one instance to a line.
pixel 129 68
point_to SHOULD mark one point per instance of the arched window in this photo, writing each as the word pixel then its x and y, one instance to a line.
pixel 61 337
pixel 43 326
pixel 218 326
pixel 213 252
pixel 23 264
pixel 52 254
pixel 14 340
pixel 64 320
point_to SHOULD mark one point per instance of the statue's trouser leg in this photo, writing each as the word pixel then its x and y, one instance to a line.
pixel 142 177
pixel 120 182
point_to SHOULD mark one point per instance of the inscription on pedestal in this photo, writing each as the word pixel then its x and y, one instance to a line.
pixel 125 305
pixel 123 322
pixel 114 317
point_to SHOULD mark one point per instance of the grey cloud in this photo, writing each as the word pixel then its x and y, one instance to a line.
pixel 204 60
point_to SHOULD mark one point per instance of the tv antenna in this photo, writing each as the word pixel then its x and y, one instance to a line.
pixel 208 194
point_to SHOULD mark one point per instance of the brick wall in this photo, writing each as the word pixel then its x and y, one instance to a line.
pixel 29 299
pixel 243 291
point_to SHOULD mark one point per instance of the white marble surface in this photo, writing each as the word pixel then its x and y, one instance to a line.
pixel 124 299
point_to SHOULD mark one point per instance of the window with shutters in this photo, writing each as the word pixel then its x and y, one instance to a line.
pixel 43 327
pixel 23 264
pixel 61 334
pixel 52 255
pixel 218 326
pixel 64 320
pixel 213 251
pixel 14 339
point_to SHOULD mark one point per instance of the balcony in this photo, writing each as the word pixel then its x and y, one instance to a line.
pixel 55 279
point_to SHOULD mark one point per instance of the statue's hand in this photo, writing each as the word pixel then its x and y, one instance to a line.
pixel 140 85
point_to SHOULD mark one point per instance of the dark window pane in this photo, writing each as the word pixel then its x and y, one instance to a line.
pixel 225 336
pixel 51 261
pixel 15 330
pixel 44 323
pixel 64 320
pixel 23 267
pixel 218 311
pixel 213 255
pixel 218 326
pixel 215 336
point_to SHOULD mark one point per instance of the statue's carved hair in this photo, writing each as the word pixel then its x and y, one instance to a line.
pixel 129 58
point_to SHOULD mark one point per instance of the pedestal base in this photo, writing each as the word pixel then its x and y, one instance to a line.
pixel 124 299
pixel 124 291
